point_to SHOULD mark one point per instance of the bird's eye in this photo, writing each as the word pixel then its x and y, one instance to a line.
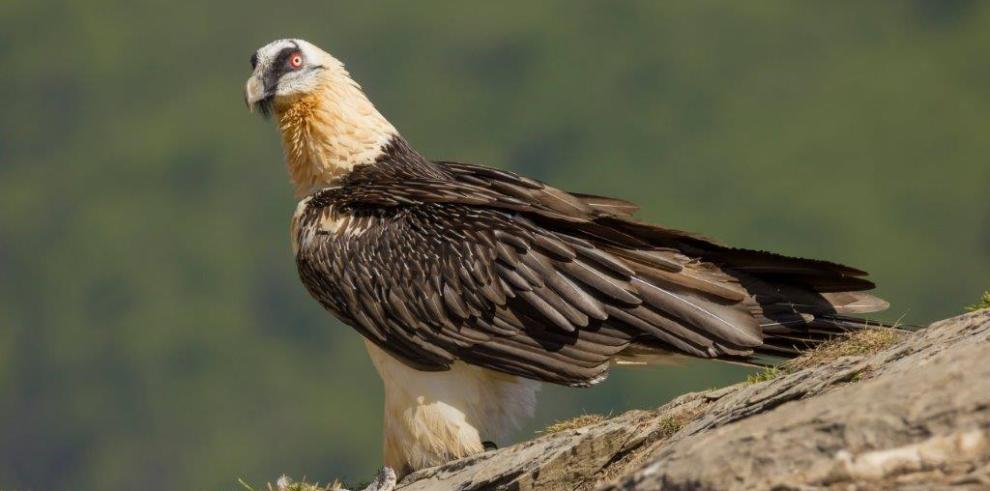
pixel 296 61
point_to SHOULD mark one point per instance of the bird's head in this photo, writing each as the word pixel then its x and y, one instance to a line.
pixel 286 70
pixel 328 125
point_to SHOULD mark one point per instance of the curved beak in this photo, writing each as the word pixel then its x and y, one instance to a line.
pixel 254 92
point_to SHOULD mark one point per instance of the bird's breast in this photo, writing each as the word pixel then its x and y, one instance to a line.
pixel 311 226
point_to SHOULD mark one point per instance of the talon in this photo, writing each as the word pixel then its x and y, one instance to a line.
pixel 489 445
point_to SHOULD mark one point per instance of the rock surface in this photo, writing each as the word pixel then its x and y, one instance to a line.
pixel 912 415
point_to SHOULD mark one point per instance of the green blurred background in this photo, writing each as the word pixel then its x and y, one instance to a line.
pixel 153 334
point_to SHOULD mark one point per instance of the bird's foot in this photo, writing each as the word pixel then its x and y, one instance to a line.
pixel 385 481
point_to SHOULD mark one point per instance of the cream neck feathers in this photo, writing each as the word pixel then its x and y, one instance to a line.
pixel 330 130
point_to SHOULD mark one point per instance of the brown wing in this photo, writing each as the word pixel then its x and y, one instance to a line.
pixel 504 272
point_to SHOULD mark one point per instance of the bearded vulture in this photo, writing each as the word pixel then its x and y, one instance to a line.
pixel 472 285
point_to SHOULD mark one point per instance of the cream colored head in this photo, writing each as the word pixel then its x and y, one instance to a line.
pixel 328 125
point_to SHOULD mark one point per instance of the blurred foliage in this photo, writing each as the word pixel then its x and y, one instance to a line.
pixel 153 334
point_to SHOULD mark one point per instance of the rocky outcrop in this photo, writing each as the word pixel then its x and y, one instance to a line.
pixel 905 411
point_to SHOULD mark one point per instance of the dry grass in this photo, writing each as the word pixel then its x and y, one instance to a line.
pixel 767 373
pixel 573 423
pixel 670 425
pixel 859 343
pixel 286 484
pixel 984 303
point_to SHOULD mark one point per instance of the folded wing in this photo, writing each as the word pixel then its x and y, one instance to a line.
pixel 505 272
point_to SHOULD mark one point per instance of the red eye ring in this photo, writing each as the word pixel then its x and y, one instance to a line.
pixel 296 61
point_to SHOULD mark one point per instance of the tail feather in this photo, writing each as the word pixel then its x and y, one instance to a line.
pixel 855 302
pixel 740 305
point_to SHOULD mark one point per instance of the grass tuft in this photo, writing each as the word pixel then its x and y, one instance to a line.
pixel 573 423
pixel 284 483
pixel 984 303
pixel 859 343
pixel 670 425
pixel 764 375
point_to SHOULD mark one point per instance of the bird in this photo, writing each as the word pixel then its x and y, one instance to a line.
pixel 474 286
